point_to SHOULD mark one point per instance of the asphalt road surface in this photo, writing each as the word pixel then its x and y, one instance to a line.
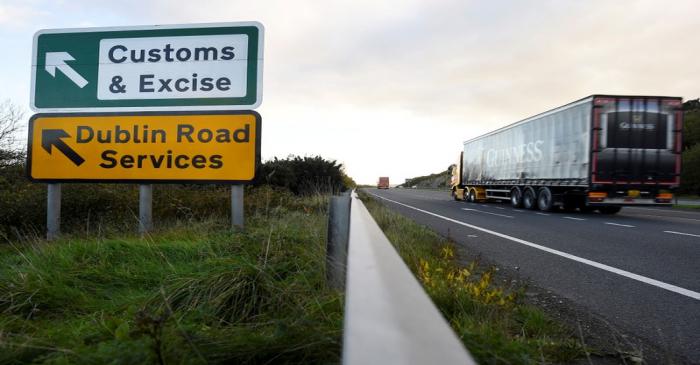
pixel 638 269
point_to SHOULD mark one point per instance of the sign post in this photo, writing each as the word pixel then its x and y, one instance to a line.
pixel 53 211
pixel 237 217
pixel 144 105
pixel 145 208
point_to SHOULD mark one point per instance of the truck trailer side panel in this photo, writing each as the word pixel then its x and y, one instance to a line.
pixel 551 146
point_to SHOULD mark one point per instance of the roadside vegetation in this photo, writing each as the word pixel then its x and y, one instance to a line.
pixel 690 176
pixel 107 209
pixel 433 181
pixel 192 293
pixel 687 206
pixel 492 320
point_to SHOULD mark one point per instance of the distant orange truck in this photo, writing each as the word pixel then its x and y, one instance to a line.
pixel 383 183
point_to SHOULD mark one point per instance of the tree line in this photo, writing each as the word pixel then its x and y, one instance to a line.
pixel 690 176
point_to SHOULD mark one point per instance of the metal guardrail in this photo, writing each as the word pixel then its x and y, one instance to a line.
pixel 389 319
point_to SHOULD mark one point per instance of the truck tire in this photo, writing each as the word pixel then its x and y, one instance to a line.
pixel 454 194
pixel 609 210
pixel 516 198
pixel 472 196
pixel 545 200
pixel 529 198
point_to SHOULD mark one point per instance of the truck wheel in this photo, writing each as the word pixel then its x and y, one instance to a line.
pixel 544 200
pixel 472 196
pixel 516 198
pixel 609 210
pixel 454 194
pixel 529 198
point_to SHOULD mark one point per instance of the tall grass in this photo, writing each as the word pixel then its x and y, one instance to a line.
pixel 192 293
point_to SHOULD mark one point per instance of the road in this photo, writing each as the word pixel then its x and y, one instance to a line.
pixel 639 269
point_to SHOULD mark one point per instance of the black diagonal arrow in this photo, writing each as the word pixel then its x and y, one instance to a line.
pixel 53 137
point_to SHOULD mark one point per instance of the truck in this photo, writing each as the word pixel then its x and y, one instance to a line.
pixel 383 183
pixel 600 153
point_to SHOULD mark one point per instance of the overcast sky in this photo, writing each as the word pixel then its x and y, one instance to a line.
pixel 393 88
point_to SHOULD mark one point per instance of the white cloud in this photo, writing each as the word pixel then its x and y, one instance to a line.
pixel 15 14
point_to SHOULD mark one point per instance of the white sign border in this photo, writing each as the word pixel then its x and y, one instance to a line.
pixel 260 59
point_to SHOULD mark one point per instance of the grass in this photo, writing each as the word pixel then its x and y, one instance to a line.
pixel 492 321
pixel 686 206
pixel 194 293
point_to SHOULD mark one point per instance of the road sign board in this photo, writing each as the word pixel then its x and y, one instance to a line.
pixel 144 147
pixel 153 68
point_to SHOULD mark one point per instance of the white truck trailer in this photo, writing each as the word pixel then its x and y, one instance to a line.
pixel 601 152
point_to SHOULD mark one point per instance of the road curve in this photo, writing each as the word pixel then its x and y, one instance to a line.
pixel 639 269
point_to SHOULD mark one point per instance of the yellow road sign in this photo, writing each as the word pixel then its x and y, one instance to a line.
pixel 144 147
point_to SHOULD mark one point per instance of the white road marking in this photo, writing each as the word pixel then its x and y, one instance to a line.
pixel 614 270
pixel 481 211
pixel 472 235
pixel 619 225
pixel 484 205
pixel 500 208
pixel 517 210
pixel 538 213
pixel 683 234
pixel 574 218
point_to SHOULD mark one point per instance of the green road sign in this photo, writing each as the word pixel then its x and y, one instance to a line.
pixel 154 68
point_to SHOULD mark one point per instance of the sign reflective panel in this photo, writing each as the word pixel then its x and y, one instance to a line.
pixel 144 147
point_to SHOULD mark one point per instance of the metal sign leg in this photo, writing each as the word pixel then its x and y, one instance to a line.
pixel 53 211
pixel 145 208
pixel 237 206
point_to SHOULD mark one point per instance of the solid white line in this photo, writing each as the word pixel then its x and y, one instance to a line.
pixel 684 234
pixel 614 270
pixel 574 218
pixel 619 225
pixel 480 211
pixel 538 213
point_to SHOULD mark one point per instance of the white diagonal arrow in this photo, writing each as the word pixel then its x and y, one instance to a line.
pixel 57 60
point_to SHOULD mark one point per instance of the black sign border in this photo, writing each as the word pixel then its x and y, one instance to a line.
pixel 258 135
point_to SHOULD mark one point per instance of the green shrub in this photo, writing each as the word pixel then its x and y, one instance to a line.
pixel 304 175
pixel 690 176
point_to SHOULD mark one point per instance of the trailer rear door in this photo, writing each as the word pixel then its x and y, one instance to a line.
pixel 636 140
